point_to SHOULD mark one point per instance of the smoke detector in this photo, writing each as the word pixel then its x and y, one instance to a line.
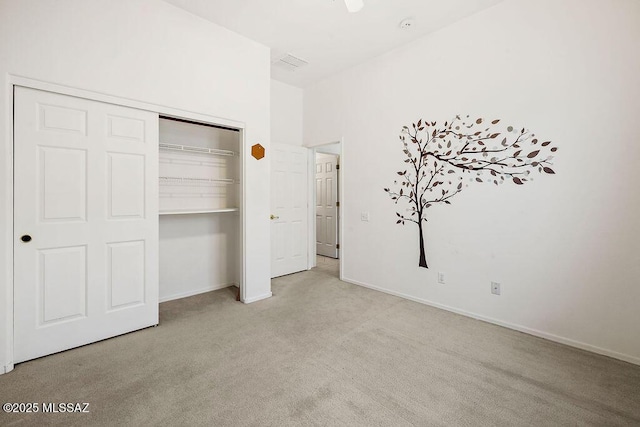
pixel 405 24
pixel 288 62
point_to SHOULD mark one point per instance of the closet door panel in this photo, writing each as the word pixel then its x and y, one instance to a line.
pixel 62 184
pixel 62 286
pixel 125 275
pixel 125 178
pixel 127 128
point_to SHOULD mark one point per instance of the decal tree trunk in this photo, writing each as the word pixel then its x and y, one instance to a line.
pixel 423 257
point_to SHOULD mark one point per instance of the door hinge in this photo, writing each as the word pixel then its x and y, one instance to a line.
pixel 337 204
pixel 338 246
pixel 337 166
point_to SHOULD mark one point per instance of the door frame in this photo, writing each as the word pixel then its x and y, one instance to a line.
pixel 312 204
pixel 16 80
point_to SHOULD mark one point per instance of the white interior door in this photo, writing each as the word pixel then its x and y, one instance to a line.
pixel 288 209
pixel 326 205
pixel 85 222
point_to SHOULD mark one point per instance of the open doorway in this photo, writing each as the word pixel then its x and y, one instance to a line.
pixel 327 208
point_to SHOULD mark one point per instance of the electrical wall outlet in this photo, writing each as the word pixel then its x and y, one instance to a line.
pixel 440 277
pixel 364 216
pixel 495 288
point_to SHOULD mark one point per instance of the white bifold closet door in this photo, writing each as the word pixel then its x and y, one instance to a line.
pixel 85 221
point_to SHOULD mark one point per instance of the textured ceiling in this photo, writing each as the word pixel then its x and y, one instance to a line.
pixel 324 33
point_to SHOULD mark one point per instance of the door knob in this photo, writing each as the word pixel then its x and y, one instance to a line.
pixel 274 216
pixel 26 238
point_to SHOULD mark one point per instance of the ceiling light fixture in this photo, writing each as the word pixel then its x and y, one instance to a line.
pixel 354 5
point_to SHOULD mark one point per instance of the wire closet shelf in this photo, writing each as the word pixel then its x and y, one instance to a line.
pixel 195 182
pixel 198 150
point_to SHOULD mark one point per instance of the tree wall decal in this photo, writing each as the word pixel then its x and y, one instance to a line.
pixel 441 157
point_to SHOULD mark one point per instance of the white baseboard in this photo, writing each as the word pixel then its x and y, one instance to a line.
pixel 258 298
pixel 6 369
pixel 193 292
pixel 520 328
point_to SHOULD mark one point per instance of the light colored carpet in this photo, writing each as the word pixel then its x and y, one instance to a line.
pixel 324 352
pixel 329 266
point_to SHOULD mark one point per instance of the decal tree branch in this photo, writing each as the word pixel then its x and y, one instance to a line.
pixel 442 160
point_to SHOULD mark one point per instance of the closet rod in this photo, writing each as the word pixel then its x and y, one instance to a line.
pixel 175 119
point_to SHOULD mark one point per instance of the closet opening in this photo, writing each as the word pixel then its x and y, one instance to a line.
pixel 200 205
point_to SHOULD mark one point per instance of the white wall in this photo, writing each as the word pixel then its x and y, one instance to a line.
pixel 566 248
pixel 149 51
pixel 334 148
pixel 198 253
pixel 286 113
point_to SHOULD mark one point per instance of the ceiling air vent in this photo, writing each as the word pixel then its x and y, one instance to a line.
pixel 288 62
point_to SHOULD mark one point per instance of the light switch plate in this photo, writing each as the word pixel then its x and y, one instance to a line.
pixel 495 288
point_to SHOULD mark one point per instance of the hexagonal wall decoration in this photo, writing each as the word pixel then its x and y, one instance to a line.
pixel 257 151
